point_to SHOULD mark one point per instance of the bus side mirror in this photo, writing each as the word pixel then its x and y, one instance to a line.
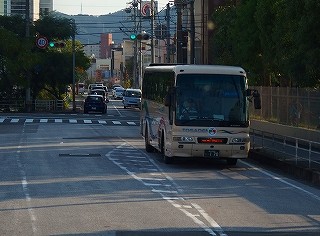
pixel 256 97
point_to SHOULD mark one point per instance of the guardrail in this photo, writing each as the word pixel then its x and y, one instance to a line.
pixel 301 152
pixel 48 105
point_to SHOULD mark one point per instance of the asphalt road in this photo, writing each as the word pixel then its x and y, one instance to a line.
pixel 65 174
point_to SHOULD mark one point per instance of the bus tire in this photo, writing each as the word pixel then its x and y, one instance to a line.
pixel 166 159
pixel 232 161
pixel 148 147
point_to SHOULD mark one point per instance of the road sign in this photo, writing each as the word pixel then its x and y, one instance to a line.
pixel 146 8
pixel 42 42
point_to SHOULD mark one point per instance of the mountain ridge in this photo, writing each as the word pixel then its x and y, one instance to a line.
pixel 120 24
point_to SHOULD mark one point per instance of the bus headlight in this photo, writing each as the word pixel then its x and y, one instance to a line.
pixel 184 139
pixel 239 140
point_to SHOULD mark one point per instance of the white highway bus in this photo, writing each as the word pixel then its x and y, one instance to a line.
pixel 218 124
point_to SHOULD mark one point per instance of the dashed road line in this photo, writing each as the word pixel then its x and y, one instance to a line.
pixel 5 120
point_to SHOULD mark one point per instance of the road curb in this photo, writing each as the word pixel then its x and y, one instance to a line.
pixel 303 173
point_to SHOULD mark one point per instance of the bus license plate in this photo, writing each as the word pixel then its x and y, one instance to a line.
pixel 211 153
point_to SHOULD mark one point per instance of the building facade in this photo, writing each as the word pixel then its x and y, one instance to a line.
pixel 19 7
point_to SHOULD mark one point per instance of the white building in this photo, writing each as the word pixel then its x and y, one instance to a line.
pixel 92 50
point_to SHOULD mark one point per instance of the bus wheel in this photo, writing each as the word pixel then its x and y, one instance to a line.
pixel 166 159
pixel 149 148
pixel 232 161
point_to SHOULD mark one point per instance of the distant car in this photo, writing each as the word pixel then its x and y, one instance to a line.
pixel 101 92
pixel 118 93
pixel 114 87
pixel 95 86
pixel 132 98
pixel 94 103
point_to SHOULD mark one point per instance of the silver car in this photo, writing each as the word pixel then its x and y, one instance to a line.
pixel 118 93
pixel 132 98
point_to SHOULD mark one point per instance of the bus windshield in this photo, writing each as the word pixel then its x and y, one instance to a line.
pixel 211 100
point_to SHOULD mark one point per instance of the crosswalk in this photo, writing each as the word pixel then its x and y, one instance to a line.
pixel 67 121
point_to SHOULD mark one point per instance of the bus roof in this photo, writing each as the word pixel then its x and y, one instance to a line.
pixel 196 69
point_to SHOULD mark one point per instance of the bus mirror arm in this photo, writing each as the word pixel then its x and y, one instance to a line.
pixel 167 100
pixel 169 97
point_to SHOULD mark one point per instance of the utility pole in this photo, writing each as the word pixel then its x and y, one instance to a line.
pixel 192 33
pixel 73 66
pixel 140 63
pixel 179 32
pixel 28 89
pixel 152 32
pixel 135 45
pixel 168 33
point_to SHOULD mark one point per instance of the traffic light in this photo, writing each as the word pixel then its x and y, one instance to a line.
pixel 133 36
pixel 57 44
pixel 142 36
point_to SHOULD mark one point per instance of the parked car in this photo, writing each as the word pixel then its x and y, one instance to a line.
pixel 132 98
pixel 100 91
pixel 118 93
pixel 94 103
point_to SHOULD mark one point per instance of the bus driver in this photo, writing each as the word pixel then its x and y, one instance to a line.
pixel 189 110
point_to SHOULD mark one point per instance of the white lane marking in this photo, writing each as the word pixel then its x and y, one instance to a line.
pixel 163 191
pixel 281 180
pixel 28 120
pixel 58 120
pixel 14 120
pixel 87 121
pixel 2 120
pixel 170 199
pixel 102 122
pixel 116 122
pixel 131 123
pixel 73 121
pixel 24 184
pixel 212 222
pixel 43 120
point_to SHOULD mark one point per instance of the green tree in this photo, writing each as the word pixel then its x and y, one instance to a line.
pixel 277 41
pixel 307 42
pixel 14 57
pixel 221 44
pixel 47 70
pixel 246 42
pixel 55 70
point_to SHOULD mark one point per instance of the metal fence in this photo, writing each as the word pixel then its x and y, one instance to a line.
pixel 289 106
pixel 300 152
pixel 36 105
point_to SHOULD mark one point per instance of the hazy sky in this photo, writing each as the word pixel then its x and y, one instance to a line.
pixel 95 7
